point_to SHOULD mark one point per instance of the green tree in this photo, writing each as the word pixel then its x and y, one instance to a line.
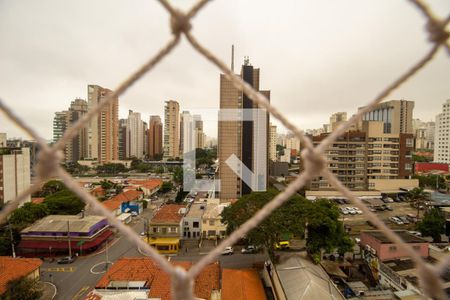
pixel 111 168
pixel 178 175
pixel 64 203
pixel 431 181
pixel 417 197
pixel 166 187
pixel 23 289
pixel 50 187
pixel 106 184
pixel 28 214
pixel 325 231
pixel 289 218
pixel 432 224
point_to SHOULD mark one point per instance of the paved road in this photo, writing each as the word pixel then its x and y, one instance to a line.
pixel 235 261
pixel 75 280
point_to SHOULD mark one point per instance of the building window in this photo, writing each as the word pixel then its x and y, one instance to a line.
pixel 211 222
pixel 392 248
pixel 173 229
pixel 186 223
pixel 195 224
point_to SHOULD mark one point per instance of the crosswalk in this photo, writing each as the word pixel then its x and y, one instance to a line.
pixel 69 269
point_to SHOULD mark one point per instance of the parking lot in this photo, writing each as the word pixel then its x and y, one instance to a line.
pixel 358 222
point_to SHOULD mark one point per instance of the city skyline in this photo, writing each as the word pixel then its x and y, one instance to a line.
pixel 308 72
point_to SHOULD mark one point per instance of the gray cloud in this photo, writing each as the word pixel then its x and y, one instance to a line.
pixel 317 57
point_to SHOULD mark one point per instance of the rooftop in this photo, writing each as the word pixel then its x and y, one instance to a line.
pixel 213 211
pixel 145 269
pixel 58 223
pixel 115 202
pixel 148 184
pixel 302 279
pixel 14 268
pixel 405 236
pixel 241 284
pixel 169 213
pixel 196 210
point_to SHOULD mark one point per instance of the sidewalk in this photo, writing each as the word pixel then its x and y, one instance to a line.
pixel 48 290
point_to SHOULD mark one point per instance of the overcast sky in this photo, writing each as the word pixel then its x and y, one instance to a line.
pixel 317 57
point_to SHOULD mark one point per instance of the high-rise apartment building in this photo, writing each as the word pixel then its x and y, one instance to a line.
pixel 14 173
pixel 103 132
pixel 246 139
pixel 273 142
pixel 199 134
pixel 171 129
pixel 397 116
pixel 337 119
pixel 76 148
pixel 135 135
pixel 442 135
pixel 155 143
pixel 358 156
pixel 60 124
pixel 122 139
pixel 145 138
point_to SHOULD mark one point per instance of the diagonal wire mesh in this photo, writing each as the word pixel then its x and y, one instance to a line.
pixel 314 160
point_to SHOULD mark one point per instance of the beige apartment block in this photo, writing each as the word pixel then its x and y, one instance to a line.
pixel 103 132
pixel 359 156
pixel 273 142
pixel 171 129
pixel 14 173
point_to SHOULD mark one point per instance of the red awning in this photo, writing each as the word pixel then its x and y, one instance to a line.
pixel 43 244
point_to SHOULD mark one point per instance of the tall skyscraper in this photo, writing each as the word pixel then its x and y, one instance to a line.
pixel 155 142
pixel 242 138
pixel 273 142
pixel 135 135
pixel 171 129
pixel 442 135
pixel 3 142
pixel 397 116
pixel 103 133
pixel 14 173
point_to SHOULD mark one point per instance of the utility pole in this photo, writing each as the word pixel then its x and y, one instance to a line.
pixel 68 238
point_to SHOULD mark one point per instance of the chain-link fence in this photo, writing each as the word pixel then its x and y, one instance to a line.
pixel 314 160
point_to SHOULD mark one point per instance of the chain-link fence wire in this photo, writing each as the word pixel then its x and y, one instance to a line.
pixel 313 157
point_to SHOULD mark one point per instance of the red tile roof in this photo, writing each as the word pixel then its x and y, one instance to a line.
pixel 148 184
pixel 37 200
pixel 168 214
pixel 242 284
pixel 14 268
pixel 145 269
pixel 116 201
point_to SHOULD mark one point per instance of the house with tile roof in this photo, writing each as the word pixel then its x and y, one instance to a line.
pixel 242 284
pixel 15 268
pixel 165 228
pixel 212 226
pixel 142 278
pixel 127 199
pixel 148 186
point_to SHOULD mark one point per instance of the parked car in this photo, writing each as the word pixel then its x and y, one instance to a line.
pixel 344 211
pixel 66 260
pixel 416 233
pixel 387 207
pixel 388 200
pixel 134 214
pixel 396 220
pixel 228 251
pixel 249 249
pixel 403 219
pixel 283 245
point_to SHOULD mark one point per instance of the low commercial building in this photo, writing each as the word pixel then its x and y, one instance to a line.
pixel 377 242
pixel 125 202
pixel 52 235
pixel 149 186
pixel 16 268
pixel 165 228
pixel 242 284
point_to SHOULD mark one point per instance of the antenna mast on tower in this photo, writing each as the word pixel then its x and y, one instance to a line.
pixel 232 58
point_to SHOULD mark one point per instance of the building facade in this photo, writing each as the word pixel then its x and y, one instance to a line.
pixel 358 156
pixel 122 139
pixel 171 129
pixel 135 135
pixel 442 135
pixel 103 130
pixel 14 173
pixel 337 119
pixel 155 144
pixel 245 139
pixel 396 116
pixel 60 122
